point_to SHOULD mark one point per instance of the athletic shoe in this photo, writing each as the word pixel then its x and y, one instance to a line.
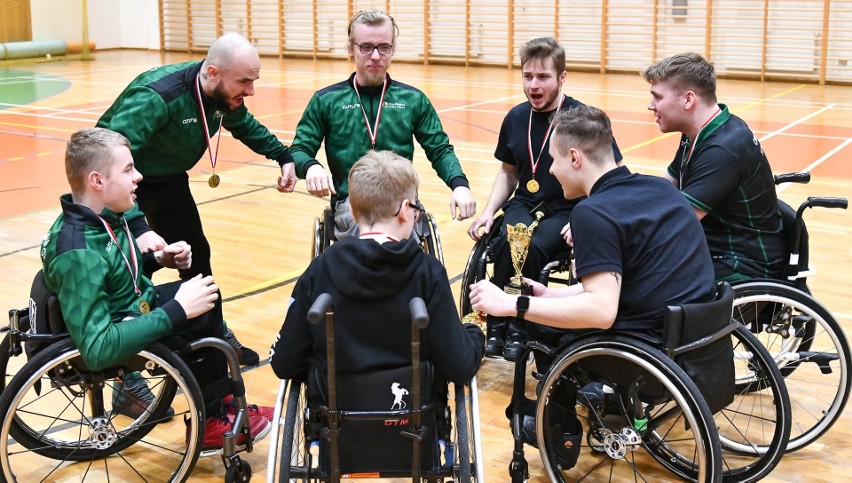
pixel 252 409
pixel 215 428
pixel 246 356
pixel 131 397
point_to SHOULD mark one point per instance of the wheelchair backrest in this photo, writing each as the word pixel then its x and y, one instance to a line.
pixel 697 337
pixel 376 444
pixel 45 315
pixel 788 219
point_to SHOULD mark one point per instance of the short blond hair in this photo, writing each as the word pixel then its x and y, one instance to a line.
pixel 89 150
pixel 372 18
pixel 378 182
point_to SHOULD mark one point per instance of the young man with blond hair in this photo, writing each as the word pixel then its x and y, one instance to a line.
pixel 372 279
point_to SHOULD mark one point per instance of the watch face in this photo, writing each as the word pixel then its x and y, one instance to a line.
pixel 523 302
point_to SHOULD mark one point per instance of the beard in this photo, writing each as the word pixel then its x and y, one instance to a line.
pixel 221 101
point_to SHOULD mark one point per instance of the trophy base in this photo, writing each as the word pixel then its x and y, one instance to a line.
pixel 518 289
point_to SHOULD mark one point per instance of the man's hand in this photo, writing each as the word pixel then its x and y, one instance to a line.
pixel 177 255
pixel 485 220
pixel 197 295
pixel 319 182
pixel 486 297
pixel 462 204
pixel 287 180
pixel 150 241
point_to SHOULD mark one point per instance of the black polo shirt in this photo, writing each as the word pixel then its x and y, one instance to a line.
pixel 642 228
pixel 512 148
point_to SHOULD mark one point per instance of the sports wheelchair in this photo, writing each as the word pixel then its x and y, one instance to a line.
pixel 804 338
pixel 426 230
pixel 58 422
pixel 331 428
pixel 639 400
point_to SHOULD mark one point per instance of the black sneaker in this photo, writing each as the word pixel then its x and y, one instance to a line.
pixel 246 356
pixel 131 397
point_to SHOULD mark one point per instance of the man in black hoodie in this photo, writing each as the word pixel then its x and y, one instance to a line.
pixel 372 279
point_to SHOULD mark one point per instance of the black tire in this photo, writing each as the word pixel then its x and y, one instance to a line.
pixel 679 433
pixel 56 413
pixel 810 348
pixel 474 270
pixel 463 438
pixel 295 459
pixel 755 427
pixel 431 241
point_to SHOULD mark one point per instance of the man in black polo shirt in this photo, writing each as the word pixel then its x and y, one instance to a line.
pixel 720 168
pixel 638 248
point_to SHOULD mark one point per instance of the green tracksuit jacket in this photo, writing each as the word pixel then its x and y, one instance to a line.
pixel 87 272
pixel 159 114
pixel 334 115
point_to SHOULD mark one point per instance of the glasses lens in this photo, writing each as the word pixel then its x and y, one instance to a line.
pixel 366 49
pixel 384 49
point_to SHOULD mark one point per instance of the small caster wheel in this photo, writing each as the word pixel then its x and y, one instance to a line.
pixel 239 472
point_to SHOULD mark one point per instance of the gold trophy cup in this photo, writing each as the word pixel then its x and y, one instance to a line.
pixel 519 237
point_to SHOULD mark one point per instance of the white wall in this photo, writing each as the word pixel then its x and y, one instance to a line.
pixel 112 23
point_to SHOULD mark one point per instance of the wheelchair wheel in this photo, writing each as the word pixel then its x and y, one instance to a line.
pixel 654 412
pixel 295 458
pixel 468 455
pixel 57 413
pixel 323 232
pixel 809 347
pixel 755 427
pixel 431 240
pixel 474 270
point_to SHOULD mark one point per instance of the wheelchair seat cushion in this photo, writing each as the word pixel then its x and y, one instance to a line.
pixel 376 444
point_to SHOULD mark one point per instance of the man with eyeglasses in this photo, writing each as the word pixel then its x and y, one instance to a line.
pixel 372 111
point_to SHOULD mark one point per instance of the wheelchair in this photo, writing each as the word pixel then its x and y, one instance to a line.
pixel 639 401
pixel 426 230
pixel 58 422
pixel 804 338
pixel 331 428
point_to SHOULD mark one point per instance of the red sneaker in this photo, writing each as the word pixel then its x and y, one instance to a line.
pixel 252 409
pixel 216 426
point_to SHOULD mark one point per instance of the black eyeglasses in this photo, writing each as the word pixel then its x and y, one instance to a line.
pixel 367 49
pixel 418 209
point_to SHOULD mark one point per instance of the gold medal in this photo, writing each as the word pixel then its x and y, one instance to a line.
pixel 214 180
pixel 532 186
pixel 144 307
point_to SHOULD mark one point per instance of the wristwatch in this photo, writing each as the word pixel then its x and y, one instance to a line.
pixel 523 304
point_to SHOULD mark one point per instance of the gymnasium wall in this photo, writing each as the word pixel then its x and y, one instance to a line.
pixel 762 39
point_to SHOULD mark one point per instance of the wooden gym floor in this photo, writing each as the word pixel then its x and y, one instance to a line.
pixel 262 239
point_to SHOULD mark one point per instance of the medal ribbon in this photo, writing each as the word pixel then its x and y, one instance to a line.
pixel 133 269
pixel 688 154
pixel 374 131
pixel 213 157
pixel 534 163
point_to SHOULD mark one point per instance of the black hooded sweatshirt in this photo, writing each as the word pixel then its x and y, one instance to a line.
pixel 371 285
